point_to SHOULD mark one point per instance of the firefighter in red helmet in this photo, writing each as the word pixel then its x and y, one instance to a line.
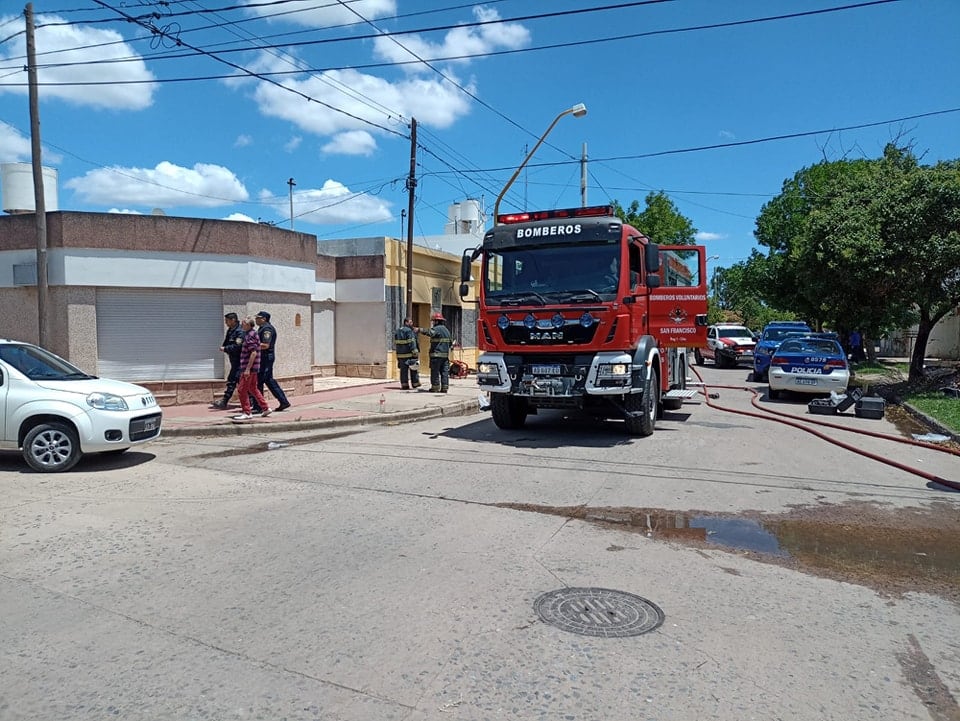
pixel 440 344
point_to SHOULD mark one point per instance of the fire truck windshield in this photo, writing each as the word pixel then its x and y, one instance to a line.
pixel 554 273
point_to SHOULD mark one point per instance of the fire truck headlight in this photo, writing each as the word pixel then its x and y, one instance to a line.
pixel 530 322
pixel 487 369
pixel 586 320
pixel 557 320
pixel 614 370
pixel 503 322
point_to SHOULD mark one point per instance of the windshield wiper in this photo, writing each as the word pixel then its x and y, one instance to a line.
pixel 76 374
pixel 581 294
pixel 522 297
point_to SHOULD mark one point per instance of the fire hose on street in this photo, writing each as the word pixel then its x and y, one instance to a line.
pixel 805 424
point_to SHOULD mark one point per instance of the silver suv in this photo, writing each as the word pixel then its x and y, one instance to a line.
pixel 53 412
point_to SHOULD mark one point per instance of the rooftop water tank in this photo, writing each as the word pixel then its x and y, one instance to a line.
pixel 16 188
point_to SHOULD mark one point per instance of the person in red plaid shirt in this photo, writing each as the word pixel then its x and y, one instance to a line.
pixel 249 368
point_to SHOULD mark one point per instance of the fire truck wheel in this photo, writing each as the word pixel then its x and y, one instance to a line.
pixel 644 407
pixel 697 356
pixel 508 412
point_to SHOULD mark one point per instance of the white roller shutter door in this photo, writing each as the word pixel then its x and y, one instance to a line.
pixel 159 334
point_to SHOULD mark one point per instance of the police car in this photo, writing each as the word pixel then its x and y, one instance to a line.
pixel 808 364
pixel 773 333
pixel 727 345
pixel 53 412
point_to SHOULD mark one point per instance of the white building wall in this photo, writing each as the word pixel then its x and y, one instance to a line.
pixel 360 334
pixel 121 269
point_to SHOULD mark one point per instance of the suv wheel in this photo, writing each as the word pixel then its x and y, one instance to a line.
pixel 51 448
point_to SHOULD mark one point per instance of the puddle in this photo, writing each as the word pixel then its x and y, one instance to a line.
pixel 893 551
pixel 278 445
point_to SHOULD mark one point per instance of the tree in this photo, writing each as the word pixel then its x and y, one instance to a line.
pixel 660 221
pixel 864 244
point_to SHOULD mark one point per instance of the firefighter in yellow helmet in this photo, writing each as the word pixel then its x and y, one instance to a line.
pixel 440 344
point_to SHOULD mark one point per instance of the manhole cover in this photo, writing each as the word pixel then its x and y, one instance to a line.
pixel 598 612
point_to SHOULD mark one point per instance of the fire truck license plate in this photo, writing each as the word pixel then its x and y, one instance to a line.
pixel 545 370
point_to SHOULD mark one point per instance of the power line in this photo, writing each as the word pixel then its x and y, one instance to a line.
pixel 553 46
pixel 245 71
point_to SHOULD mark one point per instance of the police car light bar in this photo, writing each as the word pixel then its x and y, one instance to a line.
pixel 594 211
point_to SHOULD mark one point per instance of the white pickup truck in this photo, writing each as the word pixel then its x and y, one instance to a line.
pixel 728 344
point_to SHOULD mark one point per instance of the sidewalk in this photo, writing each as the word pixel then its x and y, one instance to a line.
pixel 336 401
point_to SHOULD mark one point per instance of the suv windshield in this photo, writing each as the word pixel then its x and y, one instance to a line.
pixel 36 363
pixel 734 333
pixel 779 333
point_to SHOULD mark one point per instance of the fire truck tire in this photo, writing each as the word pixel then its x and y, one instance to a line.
pixel 698 356
pixel 646 406
pixel 509 412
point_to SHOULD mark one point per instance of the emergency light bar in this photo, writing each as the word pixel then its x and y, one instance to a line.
pixel 594 211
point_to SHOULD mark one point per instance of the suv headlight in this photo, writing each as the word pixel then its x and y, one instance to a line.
pixel 106 402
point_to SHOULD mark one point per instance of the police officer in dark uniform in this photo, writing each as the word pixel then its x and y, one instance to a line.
pixel 440 344
pixel 232 343
pixel 268 342
pixel 408 353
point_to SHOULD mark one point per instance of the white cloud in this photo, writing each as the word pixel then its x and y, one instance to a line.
pixel 351 142
pixel 704 236
pixel 67 48
pixel 204 185
pixel 727 135
pixel 432 101
pixel 242 141
pixel 333 203
pixel 293 143
pixel 15 147
pixel 240 217
pixel 124 211
pixel 458 41
pixel 320 15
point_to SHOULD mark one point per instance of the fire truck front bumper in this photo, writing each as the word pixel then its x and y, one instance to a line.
pixel 600 374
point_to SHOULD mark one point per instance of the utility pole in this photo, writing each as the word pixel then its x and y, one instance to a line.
pixel 40 207
pixel 291 184
pixel 583 177
pixel 411 188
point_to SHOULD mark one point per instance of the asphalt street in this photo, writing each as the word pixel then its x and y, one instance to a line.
pixel 391 572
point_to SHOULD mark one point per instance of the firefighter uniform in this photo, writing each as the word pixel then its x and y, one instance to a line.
pixel 440 343
pixel 408 354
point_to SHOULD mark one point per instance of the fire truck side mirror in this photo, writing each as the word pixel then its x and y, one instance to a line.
pixel 466 266
pixel 464 290
pixel 651 253
pixel 653 280
pixel 700 319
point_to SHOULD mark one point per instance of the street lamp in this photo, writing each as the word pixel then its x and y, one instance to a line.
pixel 577 111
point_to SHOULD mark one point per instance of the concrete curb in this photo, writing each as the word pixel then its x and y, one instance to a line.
pixel 461 408
pixel 931 422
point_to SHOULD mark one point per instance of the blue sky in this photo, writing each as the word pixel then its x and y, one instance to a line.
pixel 162 127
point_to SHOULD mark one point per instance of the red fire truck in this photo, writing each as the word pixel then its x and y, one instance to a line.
pixel 579 310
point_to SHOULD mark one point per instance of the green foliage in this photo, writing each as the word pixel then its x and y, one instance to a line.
pixel 659 220
pixel 939 407
pixel 863 244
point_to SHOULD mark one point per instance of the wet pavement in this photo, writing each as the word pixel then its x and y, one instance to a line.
pixel 891 550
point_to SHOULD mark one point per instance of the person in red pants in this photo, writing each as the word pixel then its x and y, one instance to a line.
pixel 249 369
